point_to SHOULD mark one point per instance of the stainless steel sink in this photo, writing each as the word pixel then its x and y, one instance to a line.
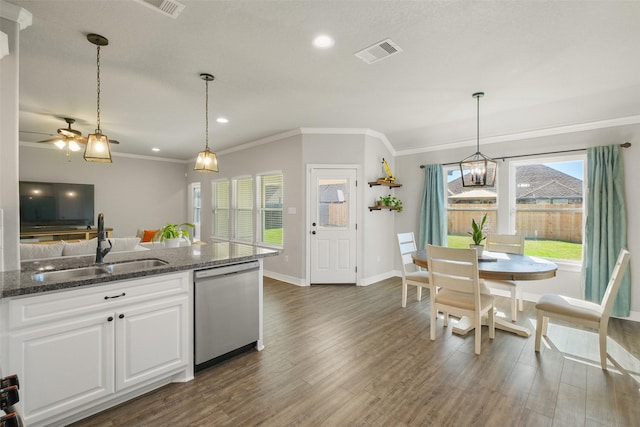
pixel 73 273
pixel 130 266
pixel 98 270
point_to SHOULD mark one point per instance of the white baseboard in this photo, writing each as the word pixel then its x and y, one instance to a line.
pixel 284 278
pixel 377 278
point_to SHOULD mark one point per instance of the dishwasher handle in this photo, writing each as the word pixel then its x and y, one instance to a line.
pixel 227 270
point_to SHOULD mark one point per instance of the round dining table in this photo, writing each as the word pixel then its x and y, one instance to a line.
pixel 501 266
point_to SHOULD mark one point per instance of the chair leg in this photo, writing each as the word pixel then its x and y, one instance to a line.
pixel 492 323
pixel 545 325
pixel 603 347
pixel 404 292
pixel 539 323
pixel 514 303
pixel 520 299
pixel 434 317
pixel 478 331
pixel 419 293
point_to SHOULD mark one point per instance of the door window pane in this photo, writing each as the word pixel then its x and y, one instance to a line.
pixel 333 209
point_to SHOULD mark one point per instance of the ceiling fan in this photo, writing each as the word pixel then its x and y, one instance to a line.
pixel 69 138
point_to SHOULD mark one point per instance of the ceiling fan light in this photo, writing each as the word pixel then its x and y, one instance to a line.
pixel 60 144
pixel 206 161
pixel 97 149
pixel 73 146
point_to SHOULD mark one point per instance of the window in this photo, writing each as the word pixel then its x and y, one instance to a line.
pixel 270 214
pixel 546 205
pixel 243 209
pixel 220 201
pixel 194 208
pixel 549 206
pixel 465 204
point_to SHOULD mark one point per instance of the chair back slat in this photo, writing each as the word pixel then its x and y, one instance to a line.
pixel 506 243
pixel 454 269
pixel 406 245
pixel 609 298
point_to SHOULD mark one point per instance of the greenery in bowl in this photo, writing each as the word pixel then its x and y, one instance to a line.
pixel 391 201
pixel 477 233
pixel 172 231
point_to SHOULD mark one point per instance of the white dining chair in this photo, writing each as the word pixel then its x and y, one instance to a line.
pixel 456 289
pixel 583 312
pixel 509 244
pixel 411 275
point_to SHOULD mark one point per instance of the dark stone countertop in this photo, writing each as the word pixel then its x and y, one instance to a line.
pixel 19 282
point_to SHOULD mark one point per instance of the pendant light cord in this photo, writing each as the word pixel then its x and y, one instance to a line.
pixel 478 125
pixel 98 102
pixel 206 114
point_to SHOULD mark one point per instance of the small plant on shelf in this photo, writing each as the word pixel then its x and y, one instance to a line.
pixel 392 201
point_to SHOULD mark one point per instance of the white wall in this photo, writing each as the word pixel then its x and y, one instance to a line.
pixel 568 282
pixel 131 192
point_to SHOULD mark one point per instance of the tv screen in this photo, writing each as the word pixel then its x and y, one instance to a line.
pixel 55 205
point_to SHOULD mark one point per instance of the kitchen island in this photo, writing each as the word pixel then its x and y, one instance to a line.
pixel 82 344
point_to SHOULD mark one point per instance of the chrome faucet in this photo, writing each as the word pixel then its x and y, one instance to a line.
pixel 102 236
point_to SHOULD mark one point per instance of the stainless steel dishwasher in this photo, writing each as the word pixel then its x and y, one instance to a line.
pixel 226 317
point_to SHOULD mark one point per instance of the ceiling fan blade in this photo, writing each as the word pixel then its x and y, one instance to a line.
pixel 114 141
pixel 37 133
pixel 51 139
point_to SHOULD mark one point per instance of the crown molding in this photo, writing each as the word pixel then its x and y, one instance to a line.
pixel 16 14
pixel 560 130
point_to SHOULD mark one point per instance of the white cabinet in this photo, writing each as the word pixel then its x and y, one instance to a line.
pixel 63 366
pixel 150 341
pixel 79 349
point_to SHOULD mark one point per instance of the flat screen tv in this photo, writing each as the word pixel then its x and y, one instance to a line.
pixel 55 205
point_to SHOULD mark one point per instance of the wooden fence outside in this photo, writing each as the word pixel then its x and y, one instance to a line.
pixel 561 222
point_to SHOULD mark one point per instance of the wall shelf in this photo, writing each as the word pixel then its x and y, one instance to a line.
pixel 384 183
pixel 382 207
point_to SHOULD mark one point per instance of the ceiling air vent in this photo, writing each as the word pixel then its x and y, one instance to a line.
pixel 378 51
pixel 170 8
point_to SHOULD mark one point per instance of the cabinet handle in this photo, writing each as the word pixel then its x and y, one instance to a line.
pixel 110 319
pixel 121 316
pixel 116 296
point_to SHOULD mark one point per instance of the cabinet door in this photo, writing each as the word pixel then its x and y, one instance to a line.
pixel 63 366
pixel 151 340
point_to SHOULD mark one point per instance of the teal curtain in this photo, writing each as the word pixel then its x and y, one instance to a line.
pixel 433 217
pixel 606 226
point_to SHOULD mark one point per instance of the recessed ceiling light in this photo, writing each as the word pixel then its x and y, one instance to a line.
pixel 222 120
pixel 323 41
pixel 155 149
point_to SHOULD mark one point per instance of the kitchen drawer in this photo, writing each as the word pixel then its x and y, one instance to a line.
pixel 48 307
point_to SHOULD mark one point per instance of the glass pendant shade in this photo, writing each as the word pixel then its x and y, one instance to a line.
pixel 206 161
pixel 97 149
pixel 478 170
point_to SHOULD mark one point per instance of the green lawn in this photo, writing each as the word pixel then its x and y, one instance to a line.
pixel 541 248
pixel 273 235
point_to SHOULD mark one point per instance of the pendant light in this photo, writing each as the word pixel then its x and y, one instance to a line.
pixel 206 161
pixel 97 149
pixel 478 170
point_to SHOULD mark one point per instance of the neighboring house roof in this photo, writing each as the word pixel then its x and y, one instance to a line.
pixel 534 182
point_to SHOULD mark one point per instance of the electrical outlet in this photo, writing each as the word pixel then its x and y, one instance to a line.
pixel 378 258
pixel 286 258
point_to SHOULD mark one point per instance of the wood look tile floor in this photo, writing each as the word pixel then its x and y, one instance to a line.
pixel 351 356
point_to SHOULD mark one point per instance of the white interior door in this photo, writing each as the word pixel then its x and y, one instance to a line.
pixel 332 228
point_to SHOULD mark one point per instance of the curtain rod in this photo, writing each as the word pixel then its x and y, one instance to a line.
pixel 623 145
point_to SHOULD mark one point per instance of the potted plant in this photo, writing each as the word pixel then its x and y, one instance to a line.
pixel 171 234
pixel 477 235
pixel 391 201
